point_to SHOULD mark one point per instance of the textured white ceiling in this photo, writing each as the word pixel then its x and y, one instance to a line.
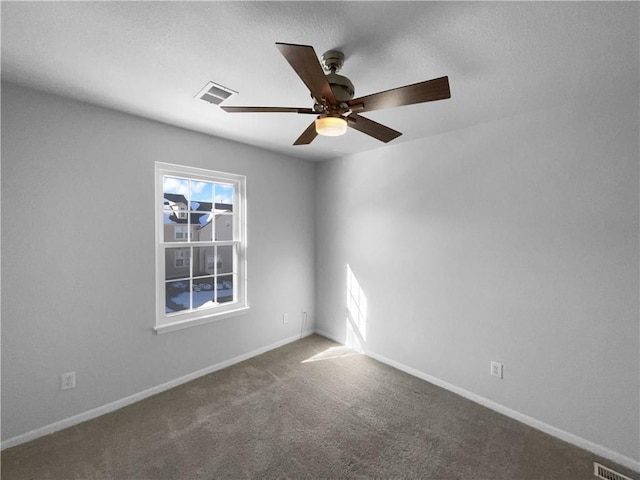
pixel 151 58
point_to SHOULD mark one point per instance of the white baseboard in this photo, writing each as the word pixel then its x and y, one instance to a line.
pixel 532 422
pixel 527 420
pixel 136 397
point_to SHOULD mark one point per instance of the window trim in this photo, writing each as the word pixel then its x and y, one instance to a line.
pixel 176 321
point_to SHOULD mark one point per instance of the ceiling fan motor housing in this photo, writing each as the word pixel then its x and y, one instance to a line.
pixel 332 61
pixel 341 86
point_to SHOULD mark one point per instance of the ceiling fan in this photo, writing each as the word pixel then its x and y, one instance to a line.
pixel 334 104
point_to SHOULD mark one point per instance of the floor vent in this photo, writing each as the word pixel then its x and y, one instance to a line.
pixel 214 93
pixel 605 473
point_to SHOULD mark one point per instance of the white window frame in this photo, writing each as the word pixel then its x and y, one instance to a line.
pixel 167 322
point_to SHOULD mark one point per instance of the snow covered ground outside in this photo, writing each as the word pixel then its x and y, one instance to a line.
pixel 201 298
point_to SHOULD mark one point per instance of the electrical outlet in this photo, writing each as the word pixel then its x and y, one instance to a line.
pixel 68 380
pixel 285 318
pixel 496 369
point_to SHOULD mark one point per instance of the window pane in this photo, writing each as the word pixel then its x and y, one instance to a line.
pixel 177 296
pixel 174 209
pixel 224 197
pixel 169 213
pixel 203 292
pixel 177 232
pixel 224 227
pixel 201 192
pixel 177 263
pixel 225 259
pixel 224 289
pixel 175 192
pixel 175 186
pixel 204 261
pixel 201 210
pixel 202 226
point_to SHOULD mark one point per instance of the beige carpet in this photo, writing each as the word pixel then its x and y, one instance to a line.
pixel 340 415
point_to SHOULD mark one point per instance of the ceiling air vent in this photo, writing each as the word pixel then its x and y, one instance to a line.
pixel 214 93
pixel 605 473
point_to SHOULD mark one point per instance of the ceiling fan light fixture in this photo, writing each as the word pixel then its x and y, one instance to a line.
pixel 331 126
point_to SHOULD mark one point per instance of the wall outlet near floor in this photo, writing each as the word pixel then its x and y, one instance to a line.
pixel 68 380
pixel 496 369
pixel 285 318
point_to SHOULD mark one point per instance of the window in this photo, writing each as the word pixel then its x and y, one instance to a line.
pixel 200 246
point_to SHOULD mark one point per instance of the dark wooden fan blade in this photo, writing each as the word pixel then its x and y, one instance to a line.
pixel 429 91
pixel 304 61
pixel 307 136
pixel 267 110
pixel 374 129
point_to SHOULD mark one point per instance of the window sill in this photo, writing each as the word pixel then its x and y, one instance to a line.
pixel 192 322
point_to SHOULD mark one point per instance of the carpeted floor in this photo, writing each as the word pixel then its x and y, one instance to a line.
pixel 286 414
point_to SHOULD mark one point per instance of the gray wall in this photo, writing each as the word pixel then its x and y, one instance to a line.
pixel 78 256
pixel 515 241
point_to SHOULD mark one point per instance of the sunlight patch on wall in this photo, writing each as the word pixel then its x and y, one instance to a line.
pixel 356 321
